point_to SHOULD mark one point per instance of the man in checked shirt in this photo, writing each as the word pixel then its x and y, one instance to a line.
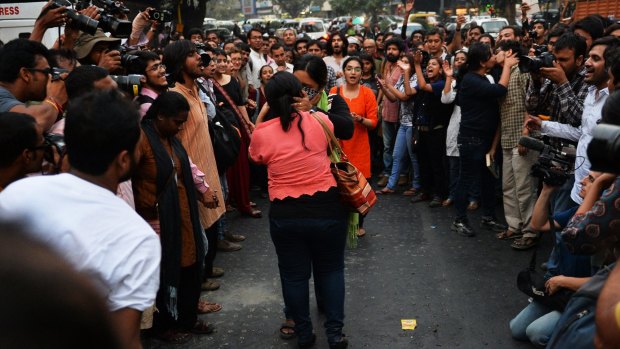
pixel 559 92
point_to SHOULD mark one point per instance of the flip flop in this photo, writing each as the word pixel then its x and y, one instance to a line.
pixel 505 236
pixel 287 330
pixel 524 243
pixel 385 190
pixel 205 307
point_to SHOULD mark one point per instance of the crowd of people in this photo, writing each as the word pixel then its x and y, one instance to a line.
pixel 145 171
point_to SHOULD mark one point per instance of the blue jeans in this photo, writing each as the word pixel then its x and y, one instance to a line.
pixel 454 164
pixel 311 245
pixel 535 323
pixel 473 169
pixel 403 147
pixel 389 137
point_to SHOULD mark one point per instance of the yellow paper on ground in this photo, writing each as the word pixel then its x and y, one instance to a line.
pixel 408 324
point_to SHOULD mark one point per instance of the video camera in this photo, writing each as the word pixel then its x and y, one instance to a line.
pixel 604 149
pixel 553 166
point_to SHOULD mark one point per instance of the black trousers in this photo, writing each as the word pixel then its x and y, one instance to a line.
pixel 433 162
pixel 211 234
pixel 188 295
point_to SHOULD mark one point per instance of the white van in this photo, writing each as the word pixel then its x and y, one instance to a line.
pixel 313 27
pixel 18 19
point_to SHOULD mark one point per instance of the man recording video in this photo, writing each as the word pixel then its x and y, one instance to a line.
pixel 596 78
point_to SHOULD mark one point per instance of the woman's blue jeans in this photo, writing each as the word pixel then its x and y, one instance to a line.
pixel 403 147
pixel 316 246
pixel 535 323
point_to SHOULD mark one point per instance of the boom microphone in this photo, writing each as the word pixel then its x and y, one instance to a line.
pixel 532 143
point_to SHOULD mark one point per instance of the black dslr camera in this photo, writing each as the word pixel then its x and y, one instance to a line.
pixel 108 20
pixel 543 59
pixel 129 84
pixel 604 149
pixel 553 166
pixel 79 21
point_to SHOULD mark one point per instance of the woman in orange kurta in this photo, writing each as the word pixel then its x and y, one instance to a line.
pixel 363 106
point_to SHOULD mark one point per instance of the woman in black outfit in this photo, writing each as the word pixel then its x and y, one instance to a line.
pixel 478 99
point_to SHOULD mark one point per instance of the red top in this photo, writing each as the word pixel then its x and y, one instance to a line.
pixel 293 170
pixel 358 147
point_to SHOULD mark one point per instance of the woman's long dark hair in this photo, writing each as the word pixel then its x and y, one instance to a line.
pixel 368 58
pixel 174 59
pixel 280 90
pixel 167 104
pixel 477 54
pixel 314 66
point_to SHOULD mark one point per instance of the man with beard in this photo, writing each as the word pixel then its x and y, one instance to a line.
pixel 89 225
pixel 596 77
pixel 389 114
pixel 148 64
pixel 185 66
pixel 336 49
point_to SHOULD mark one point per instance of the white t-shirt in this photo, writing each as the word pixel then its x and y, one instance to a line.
pixel 330 61
pixel 97 232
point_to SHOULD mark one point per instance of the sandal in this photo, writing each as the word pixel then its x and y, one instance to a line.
pixel 524 243
pixel 174 337
pixel 254 213
pixel 287 330
pixel 205 307
pixel 410 192
pixel 508 235
pixel 202 327
pixel 361 232
pixel 385 190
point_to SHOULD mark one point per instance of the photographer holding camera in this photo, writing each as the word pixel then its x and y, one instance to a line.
pixel 596 78
pixel 26 75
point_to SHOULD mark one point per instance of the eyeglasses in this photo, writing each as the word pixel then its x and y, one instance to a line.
pixel 256 38
pixel 45 71
pixel 157 67
pixel 356 69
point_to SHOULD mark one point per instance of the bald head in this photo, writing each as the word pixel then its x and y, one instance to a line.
pixel 370 46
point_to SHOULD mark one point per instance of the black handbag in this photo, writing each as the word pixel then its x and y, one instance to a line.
pixel 226 141
pixel 532 283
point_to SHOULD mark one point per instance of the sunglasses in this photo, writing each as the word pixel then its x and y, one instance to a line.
pixel 45 71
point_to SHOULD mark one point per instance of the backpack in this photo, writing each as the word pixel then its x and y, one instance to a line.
pixel 577 326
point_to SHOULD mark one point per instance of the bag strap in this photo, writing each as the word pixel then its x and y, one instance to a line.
pixel 335 151
pixel 232 105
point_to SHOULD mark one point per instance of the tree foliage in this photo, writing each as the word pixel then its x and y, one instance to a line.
pixel 293 7
pixel 356 7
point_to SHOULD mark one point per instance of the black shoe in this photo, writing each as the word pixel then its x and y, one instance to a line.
pixel 342 344
pixel 436 202
pixel 492 224
pixel 309 344
pixel 463 228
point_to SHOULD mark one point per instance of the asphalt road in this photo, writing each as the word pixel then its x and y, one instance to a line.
pixel 462 291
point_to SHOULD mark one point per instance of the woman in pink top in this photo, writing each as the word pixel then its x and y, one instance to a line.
pixel 308 223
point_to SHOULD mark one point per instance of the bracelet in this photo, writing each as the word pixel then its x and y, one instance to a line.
pixel 52 104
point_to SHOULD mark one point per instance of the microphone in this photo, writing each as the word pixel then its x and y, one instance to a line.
pixel 535 144
pixel 532 143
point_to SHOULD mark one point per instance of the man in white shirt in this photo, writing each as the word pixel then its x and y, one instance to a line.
pixel 257 59
pixel 336 50
pixel 279 59
pixel 597 77
pixel 79 215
